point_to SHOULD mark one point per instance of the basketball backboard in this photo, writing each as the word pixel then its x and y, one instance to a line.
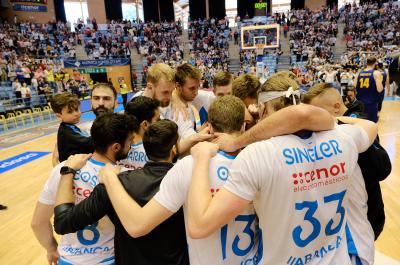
pixel 254 36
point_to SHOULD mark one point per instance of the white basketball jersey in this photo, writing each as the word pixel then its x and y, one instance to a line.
pixel 95 243
pixel 136 158
pixel 238 242
pixel 300 192
pixel 202 102
pixel 186 127
pixel 359 232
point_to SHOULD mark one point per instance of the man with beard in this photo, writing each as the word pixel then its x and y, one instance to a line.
pixel 111 135
pixel 161 81
pixel 103 100
pixel 164 245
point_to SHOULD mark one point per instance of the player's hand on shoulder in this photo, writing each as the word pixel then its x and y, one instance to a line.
pixel 205 134
pixel 77 161
pixel 204 150
pixel 108 172
pixel 226 142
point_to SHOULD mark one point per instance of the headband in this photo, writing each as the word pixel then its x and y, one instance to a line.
pixel 264 97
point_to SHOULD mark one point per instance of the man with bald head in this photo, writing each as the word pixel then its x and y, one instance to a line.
pixel 325 96
pixel 366 216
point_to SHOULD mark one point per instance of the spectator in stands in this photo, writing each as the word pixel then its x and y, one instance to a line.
pixel 26 94
pixel 124 90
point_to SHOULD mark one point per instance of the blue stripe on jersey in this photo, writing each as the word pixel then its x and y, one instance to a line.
pixel 77 130
pixel 97 162
pixel 62 261
pixel 226 155
pixel 203 115
pixel 351 247
pixel 137 144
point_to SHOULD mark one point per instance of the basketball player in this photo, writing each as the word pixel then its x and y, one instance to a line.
pixel 385 84
pixel 166 244
pixel 222 86
pixel 298 184
pixel 160 84
pixel 238 242
pixel 224 116
pixel 366 213
pixel 146 112
pixel 112 136
pixel 187 79
pixel 246 87
pixel 103 100
pixel 369 85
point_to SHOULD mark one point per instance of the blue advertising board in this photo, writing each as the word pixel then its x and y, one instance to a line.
pixel 29 8
pixel 16 161
pixel 96 63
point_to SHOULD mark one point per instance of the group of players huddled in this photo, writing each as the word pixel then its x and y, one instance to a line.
pixel 243 174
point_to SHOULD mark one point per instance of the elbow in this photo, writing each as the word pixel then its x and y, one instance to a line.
pixel 137 232
pixel 36 224
pixel 58 226
pixel 197 232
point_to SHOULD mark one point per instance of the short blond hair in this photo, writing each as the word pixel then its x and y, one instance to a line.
pixel 281 81
pixel 315 91
pixel 226 114
pixel 222 78
pixel 158 71
pixel 246 86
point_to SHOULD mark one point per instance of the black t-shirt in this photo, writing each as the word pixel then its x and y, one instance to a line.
pixel 71 140
pixel 165 245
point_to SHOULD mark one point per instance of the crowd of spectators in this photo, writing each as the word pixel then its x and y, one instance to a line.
pixel 31 57
pixel 112 42
pixel 209 46
pixel 313 34
pixel 159 42
pixel 371 26
pixel 51 40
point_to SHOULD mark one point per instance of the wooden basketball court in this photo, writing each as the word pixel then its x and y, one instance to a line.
pixel 20 188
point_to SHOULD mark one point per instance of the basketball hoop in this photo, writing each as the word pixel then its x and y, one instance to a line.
pixel 260 49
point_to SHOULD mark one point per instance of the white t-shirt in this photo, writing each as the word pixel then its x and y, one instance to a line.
pixel 359 232
pixel 185 127
pixel 330 77
pixel 136 158
pixel 299 189
pixel 95 243
pixel 202 102
pixel 238 242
